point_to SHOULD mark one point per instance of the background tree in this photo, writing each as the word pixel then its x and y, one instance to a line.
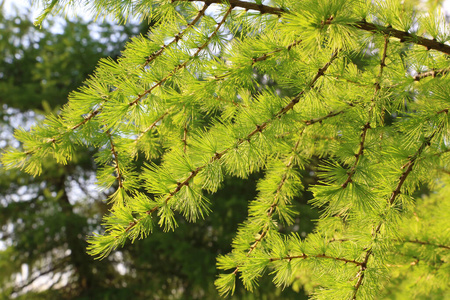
pixel 43 219
pixel 186 98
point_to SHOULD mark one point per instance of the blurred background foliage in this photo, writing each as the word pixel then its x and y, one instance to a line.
pixel 45 220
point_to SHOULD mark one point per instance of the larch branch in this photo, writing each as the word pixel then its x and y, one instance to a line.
pixel 160 118
pixel 409 165
pixel 177 37
pixel 428 243
pixel 432 73
pixel 367 126
pixel 259 128
pixel 403 36
pixel 305 256
pixel 116 159
pixel 264 9
pixel 184 64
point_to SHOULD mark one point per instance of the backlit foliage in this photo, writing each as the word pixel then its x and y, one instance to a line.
pixel 360 85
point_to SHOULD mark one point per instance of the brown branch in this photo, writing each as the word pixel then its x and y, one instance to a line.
pixel 269 54
pixel 428 243
pixel 263 9
pixel 320 119
pixel 361 274
pixel 367 125
pixel 185 131
pixel 304 256
pixel 116 160
pixel 259 128
pixel 294 101
pixel 261 58
pixel 382 65
pixel 184 64
pixel 357 156
pixel 432 73
pixel 89 117
pixel 403 36
pixel 445 110
pixel 410 164
pixel 177 37
pixel 152 125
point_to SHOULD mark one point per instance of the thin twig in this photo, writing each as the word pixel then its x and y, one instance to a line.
pixel 304 256
pixel 264 9
pixel 428 243
pixel 177 37
pixel 432 73
pixel 184 64
pixel 410 164
pixel 116 159
pixel 259 128
pixel 367 125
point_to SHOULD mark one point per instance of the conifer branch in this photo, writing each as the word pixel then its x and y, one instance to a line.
pixel 269 54
pixel 167 112
pixel 305 256
pixel 160 118
pixel 367 125
pixel 432 73
pixel 403 36
pixel 177 37
pixel 289 165
pixel 274 203
pixel 257 59
pixel 357 156
pixel 320 119
pixel 361 274
pixel 96 111
pixel 116 159
pixel 89 117
pixel 428 243
pixel 259 128
pixel 263 57
pixel 382 65
pixel 263 9
pixel 179 63
pixel 185 137
pixel 410 164
pixel 295 100
pixel 184 64
pixel 59 136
